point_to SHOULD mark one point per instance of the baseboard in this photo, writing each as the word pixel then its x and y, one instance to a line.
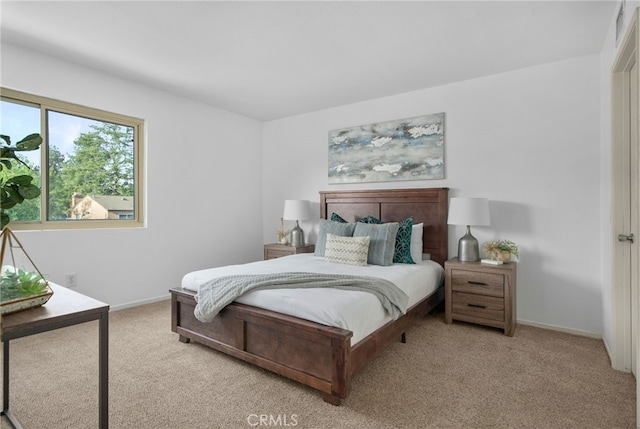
pixel 616 365
pixel 562 329
pixel 608 350
pixel 137 303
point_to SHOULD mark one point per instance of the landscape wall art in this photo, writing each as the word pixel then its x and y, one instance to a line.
pixel 403 149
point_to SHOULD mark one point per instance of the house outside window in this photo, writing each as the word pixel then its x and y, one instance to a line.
pixel 89 167
pixel 102 207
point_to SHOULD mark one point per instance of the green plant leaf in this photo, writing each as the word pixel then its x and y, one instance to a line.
pixel 14 194
pixel 7 204
pixel 23 179
pixel 30 142
pixel 29 191
pixel 7 199
pixel 7 153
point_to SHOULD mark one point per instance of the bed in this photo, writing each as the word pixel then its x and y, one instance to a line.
pixel 312 353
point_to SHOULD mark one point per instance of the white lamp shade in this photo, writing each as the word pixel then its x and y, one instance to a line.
pixel 468 211
pixel 296 210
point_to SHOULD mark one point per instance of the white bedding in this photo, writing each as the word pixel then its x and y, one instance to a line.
pixel 359 312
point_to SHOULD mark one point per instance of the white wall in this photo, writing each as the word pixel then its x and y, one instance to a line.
pixel 202 202
pixel 529 140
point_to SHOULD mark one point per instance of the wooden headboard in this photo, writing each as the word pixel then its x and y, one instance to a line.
pixel 427 205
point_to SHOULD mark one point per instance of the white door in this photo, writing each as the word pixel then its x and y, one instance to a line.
pixel 634 196
pixel 628 229
pixel 625 274
pixel 626 201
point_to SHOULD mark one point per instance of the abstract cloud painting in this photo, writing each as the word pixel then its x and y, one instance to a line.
pixel 404 149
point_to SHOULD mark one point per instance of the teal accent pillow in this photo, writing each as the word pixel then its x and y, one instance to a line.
pixel 330 227
pixel 382 241
pixel 337 218
pixel 402 252
pixel 371 219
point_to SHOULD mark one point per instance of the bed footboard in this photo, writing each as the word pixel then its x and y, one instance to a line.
pixel 310 353
pixel 313 354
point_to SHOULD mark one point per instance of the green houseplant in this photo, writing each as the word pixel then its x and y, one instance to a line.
pixel 501 249
pixel 22 285
pixel 16 188
pixel 17 284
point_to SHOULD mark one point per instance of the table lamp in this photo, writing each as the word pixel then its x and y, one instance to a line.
pixel 296 210
pixel 468 211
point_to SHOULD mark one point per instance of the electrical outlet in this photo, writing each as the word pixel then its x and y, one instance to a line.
pixel 71 280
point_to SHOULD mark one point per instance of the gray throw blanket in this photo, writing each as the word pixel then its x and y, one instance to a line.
pixel 215 294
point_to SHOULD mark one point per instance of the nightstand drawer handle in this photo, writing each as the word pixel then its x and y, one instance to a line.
pixel 471 282
pixel 477 305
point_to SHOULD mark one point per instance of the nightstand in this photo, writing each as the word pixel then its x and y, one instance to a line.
pixel 482 294
pixel 275 250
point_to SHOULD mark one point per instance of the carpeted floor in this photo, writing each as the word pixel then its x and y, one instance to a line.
pixel 445 376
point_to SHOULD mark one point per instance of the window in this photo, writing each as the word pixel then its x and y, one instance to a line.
pixel 89 166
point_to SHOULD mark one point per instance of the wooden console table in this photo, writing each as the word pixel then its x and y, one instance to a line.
pixel 64 308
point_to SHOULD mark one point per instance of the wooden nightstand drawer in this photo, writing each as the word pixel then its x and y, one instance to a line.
pixel 485 307
pixel 491 284
pixel 272 251
pixel 277 253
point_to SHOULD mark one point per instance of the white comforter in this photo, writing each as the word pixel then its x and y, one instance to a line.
pixel 359 312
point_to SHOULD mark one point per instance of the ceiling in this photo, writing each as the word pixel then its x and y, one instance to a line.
pixel 269 60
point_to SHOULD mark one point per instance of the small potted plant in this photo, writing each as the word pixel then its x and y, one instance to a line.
pixel 22 286
pixel 283 233
pixel 16 283
pixel 501 249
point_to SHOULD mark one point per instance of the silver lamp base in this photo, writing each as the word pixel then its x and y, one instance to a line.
pixel 297 236
pixel 468 250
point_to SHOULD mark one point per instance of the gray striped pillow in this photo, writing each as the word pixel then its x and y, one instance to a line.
pixel 330 227
pixel 383 241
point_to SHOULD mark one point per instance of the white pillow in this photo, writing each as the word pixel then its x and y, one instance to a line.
pixel 347 250
pixel 416 242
